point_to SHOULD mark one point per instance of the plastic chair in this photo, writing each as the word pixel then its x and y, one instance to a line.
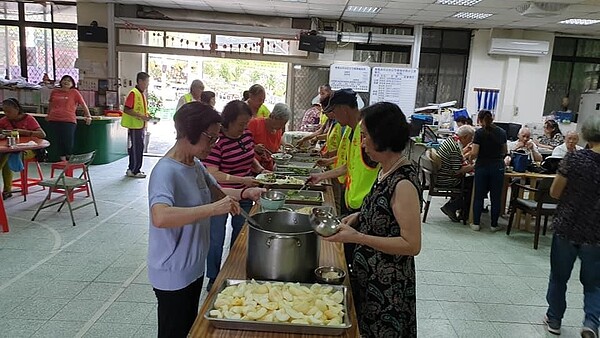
pixel 68 184
pixel 3 218
pixel 24 181
pixel 69 172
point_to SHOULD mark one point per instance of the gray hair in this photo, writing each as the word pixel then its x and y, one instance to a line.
pixel 590 130
pixel 572 132
pixel 281 111
pixel 465 130
pixel 524 130
pixel 197 84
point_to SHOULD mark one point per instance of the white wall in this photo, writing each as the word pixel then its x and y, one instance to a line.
pixel 522 80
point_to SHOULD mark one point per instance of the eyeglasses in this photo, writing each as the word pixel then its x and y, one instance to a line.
pixel 212 139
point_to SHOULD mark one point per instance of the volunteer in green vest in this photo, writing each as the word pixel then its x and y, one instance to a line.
pixel 134 119
pixel 196 89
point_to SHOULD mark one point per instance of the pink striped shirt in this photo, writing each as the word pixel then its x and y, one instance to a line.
pixel 233 157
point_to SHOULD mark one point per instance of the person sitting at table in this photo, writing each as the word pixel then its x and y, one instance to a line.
pixel 568 146
pixel 386 230
pixel 183 196
pixel 267 133
pixel 552 136
pixel 489 148
pixel 16 119
pixel 524 144
pixel 577 232
pixel 463 120
pixel 452 169
pixel 231 161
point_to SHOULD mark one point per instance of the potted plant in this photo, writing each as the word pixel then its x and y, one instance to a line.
pixel 155 105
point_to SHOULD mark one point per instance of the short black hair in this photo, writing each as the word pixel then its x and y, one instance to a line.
pixel 70 78
pixel 142 76
pixel 193 119
pixel 232 110
pixel 13 103
pixel 386 124
pixel 246 95
pixel 256 89
pixel 206 96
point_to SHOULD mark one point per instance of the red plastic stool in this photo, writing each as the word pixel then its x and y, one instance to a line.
pixel 69 172
pixel 24 182
pixel 3 218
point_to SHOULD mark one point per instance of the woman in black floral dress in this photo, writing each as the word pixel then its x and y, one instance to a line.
pixel 387 231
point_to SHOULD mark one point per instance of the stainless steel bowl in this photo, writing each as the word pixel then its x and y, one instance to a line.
pixel 272 200
pixel 324 223
pixel 281 158
pixel 322 274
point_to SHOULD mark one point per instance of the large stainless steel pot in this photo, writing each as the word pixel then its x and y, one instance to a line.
pixel 285 248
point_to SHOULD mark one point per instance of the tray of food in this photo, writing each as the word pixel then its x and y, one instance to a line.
pixel 305 197
pixel 273 180
pixel 306 210
pixel 296 170
pixel 280 307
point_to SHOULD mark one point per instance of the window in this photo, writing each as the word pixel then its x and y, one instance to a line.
pixel 10 63
pixel 238 44
pixel 188 40
pixel 282 47
pixel 364 52
pixel 443 66
pixel 49 35
pixel 575 69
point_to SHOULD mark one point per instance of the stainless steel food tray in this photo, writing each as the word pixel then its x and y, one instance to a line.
pixel 307 193
pixel 296 170
pixel 248 325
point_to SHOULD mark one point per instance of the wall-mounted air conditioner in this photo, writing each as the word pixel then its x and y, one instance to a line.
pixel 519 47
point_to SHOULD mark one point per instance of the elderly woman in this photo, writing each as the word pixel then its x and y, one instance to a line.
pixel 232 163
pixel 208 97
pixel 267 133
pixel 489 148
pixel 577 232
pixel 61 114
pixel 183 196
pixel 16 119
pixel 256 100
pixel 387 230
pixel 552 136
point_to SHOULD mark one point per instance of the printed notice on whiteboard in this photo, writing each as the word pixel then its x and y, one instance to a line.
pixel 396 85
pixel 350 76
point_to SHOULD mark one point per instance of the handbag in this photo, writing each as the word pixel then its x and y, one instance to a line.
pixel 520 161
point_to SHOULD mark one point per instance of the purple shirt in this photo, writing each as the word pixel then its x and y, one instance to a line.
pixel 176 256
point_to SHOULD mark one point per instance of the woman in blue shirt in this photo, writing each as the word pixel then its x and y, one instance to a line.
pixel 183 197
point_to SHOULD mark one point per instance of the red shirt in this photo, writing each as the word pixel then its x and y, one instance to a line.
pixel 130 100
pixel 27 123
pixel 63 105
pixel 258 128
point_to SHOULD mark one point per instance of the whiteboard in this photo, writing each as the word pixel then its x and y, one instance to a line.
pixel 396 85
pixel 350 76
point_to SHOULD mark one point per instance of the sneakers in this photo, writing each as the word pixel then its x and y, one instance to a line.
pixel 475 227
pixel 129 173
pixel 553 328
pixel 451 214
pixel 586 332
pixel 496 228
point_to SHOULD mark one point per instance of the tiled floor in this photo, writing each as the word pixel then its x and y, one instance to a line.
pixel 90 280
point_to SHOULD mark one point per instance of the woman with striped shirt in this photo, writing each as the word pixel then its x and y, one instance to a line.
pixel 232 163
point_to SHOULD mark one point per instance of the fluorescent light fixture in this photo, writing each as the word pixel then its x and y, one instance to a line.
pixel 458 2
pixel 471 15
pixel 363 9
pixel 581 22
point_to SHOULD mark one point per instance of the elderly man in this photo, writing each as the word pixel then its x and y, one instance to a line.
pixel 453 167
pixel 196 89
pixel 524 144
pixel 568 146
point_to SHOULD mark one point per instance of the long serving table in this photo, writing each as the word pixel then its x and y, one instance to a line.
pixel 332 254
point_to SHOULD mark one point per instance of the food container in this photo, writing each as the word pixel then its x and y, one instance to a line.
pixel 285 248
pixel 272 200
pixel 248 325
pixel 281 158
pixel 323 273
pixel 11 141
pixel 296 170
pixel 305 197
